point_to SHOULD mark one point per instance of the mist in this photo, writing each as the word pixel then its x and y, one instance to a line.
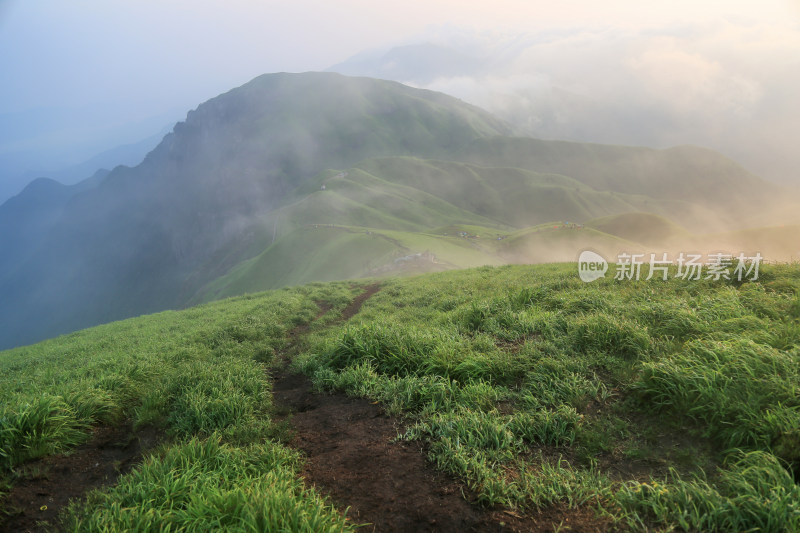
pixel 225 203
pixel 727 85
pixel 720 74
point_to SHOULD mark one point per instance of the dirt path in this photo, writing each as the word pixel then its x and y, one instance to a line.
pixel 352 458
pixel 48 484
pixel 355 306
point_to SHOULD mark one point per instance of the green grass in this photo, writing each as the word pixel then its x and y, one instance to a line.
pixel 385 208
pixel 661 405
pixel 200 376
pixel 534 389
pixel 208 485
pixel 753 493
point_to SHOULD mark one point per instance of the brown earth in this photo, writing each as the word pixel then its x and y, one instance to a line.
pixel 355 306
pixel 353 458
pixel 45 486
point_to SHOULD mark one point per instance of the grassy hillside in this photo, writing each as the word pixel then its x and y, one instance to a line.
pixel 385 209
pixel 147 238
pixel 327 252
pixel 515 196
pixel 319 253
pixel 199 377
pixel 322 252
pixel 357 198
pixel 212 210
pixel 648 405
pixel 679 174
pixel 644 228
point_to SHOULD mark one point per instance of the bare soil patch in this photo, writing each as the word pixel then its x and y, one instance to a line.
pixel 45 486
pixel 355 306
pixel 352 457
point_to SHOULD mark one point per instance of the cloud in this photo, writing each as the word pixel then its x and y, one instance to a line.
pixel 726 85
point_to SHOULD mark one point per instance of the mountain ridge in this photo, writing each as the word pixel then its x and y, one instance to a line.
pixel 247 170
pixel 131 243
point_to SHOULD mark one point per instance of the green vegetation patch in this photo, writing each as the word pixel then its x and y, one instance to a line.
pixel 662 404
pixel 201 377
pixel 209 485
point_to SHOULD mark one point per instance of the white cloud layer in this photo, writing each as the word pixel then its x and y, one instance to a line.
pixel 729 86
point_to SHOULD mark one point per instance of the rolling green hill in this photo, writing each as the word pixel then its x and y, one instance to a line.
pixel 512 196
pixel 682 173
pixel 146 238
pixel 619 405
pixel 227 203
pixel 644 228
pixel 374 218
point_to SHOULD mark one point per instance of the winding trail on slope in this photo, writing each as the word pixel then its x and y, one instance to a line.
pixel 352 457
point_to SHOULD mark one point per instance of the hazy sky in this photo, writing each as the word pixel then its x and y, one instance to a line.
pixel 161 52
pixel 145 61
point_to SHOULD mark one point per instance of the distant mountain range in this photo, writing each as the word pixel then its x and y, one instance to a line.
pixel 69 145
pixel 301 177
pixel 582 84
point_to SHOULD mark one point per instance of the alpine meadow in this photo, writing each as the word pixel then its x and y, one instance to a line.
pixel 350 301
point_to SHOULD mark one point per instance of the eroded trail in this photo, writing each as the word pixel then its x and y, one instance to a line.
pixel 48 484
pixel 352 457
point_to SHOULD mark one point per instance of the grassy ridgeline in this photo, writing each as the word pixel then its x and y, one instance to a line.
pixel 536 389
pixel 663 404
pixel 198 374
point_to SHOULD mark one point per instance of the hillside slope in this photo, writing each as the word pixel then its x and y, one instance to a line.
pixel 401 215
pixel 223 204
pixel 135 243
pixel 613 405
pixel 703 176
